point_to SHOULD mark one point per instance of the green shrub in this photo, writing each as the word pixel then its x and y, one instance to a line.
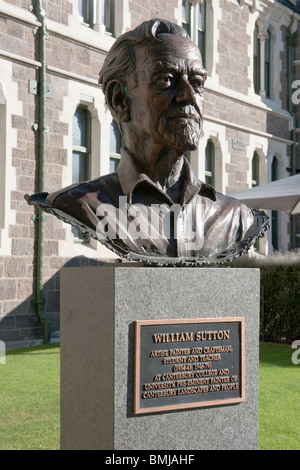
pixel 280 294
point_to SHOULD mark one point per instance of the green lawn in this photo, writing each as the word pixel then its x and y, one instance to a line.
pixel 29 399
pixel 279 398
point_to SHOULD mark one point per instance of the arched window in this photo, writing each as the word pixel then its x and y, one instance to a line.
pixel 81 146
pixel 274 177
pixel 255 170
pixel 210 162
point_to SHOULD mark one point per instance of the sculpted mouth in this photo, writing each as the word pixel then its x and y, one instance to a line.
pixel 178 114
pixel 186 116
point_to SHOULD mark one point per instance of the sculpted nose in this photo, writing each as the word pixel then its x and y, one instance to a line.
pixel 185 92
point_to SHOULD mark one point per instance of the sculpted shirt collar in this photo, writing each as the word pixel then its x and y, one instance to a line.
pixel 130 175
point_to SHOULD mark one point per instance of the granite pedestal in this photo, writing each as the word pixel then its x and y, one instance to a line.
pixel 98 309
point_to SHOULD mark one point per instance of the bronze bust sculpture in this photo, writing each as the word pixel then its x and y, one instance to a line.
pixel 154 209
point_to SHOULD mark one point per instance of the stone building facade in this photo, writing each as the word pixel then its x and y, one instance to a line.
pixel 51 52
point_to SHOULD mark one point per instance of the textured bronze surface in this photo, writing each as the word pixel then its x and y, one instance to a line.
pixel 154 209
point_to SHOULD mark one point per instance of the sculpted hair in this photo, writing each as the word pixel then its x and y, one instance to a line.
pixel 120 60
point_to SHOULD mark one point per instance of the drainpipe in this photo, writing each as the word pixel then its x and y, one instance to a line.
pixel 290 40
pixel 39 300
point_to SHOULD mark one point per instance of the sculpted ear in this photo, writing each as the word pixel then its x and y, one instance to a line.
pixel 117 100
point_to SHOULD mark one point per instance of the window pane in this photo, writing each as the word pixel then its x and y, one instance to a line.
pixel 113 164
pixel 85 10
pixel 80 122
pixel 82 7
pixel 115 138
pixel 201 43
pixel 201 17
pixel 210 163
pixel 267 48
pixel 79 167
pixel 208 157
pixel 207 162
pixel 108 15
pixel 186 19
pixel 79 173
pixel 274 169
pixel 267 65
pixel 184 12
pixel 116 142
pixel 255 169
pixel 256 64
pixel 274 214
pixel 201 29
pixel 188 156
pixel 80 159
pixel 267 79
pixel 256 42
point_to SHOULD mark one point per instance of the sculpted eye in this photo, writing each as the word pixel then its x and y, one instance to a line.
pixel 165 81
pixel 197 83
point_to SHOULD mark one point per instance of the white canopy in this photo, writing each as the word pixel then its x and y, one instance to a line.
pixel 280 195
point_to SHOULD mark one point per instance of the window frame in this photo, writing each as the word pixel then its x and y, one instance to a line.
pixel 274 214
pixel 255 170
pixel 79 237
pixel 203 31
pixel 89 20
pixel 191 23
pixel 209 173
pixel 267 64
pixel 256 60
pixel 187 25
pixel 109 29
pixel 115 156
pixel 97 14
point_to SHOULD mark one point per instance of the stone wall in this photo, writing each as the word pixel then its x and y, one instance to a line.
pixel 233 43
pixel 74 56
pixel 17 270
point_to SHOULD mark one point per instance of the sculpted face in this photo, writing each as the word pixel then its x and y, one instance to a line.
pixel 167 103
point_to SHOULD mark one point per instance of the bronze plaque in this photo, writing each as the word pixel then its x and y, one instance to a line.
pixel 188 363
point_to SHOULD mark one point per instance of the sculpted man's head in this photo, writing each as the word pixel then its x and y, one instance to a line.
pixel 153 81
pixel 154 209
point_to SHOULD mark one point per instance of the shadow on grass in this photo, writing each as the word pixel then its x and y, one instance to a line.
pixel 276 355
pixel 36 350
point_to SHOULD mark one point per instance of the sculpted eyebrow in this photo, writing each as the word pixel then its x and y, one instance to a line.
pixel 163 65
pixel 198 70
pixel 169 66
